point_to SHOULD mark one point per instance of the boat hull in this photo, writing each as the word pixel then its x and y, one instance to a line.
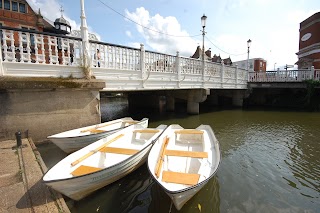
pixel 180 198
pixel 78 188
pixel 182 161
pixel 102 162
pixel 74 143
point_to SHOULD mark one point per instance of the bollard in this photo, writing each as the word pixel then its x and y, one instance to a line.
pixel 18 137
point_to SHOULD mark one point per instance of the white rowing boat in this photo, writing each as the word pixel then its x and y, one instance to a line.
pixel 182 161
pixel 102 162
pixel 73 140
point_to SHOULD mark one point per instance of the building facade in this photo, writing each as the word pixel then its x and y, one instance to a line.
pixel 255 64
pixel 207 56
pixel 309 43
pixel 18 14
pixel 28 26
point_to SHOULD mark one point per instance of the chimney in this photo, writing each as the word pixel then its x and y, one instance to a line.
pixel 208 52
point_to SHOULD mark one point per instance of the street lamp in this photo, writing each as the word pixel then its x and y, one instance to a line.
pixel 203 24
pixel 248 44
pixel 274 66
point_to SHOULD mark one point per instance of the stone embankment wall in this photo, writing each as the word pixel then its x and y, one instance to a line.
pixel 42 107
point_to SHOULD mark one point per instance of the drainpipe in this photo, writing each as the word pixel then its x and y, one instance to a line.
pixel 85 43
pixel 1 68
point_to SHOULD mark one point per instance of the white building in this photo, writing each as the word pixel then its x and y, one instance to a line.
pixel 255 64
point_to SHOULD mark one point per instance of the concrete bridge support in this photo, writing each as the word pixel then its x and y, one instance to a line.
pixel 170 102
pixel 159 99
pixel 227 97
pixel 42 107
pixel 193 98
pixel 237 98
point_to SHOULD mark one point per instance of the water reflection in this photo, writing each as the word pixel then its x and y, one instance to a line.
pixel 270 163
pixel 113 108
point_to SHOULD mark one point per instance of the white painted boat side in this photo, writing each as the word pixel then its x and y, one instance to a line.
pixel 206 167
pixel 114 166
pixel 73 140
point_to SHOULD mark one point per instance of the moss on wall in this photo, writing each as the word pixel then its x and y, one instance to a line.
pixel 47 83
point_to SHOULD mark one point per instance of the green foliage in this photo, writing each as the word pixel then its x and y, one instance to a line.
pixel 312 101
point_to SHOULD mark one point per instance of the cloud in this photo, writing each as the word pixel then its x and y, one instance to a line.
pixel 171 39
pixel 134 45
pixel 129 34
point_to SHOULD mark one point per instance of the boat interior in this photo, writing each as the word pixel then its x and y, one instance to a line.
pixel 103 153
pixel 185 159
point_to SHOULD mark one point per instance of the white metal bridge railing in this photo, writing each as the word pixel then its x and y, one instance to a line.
pixel 27 53
pixel 285 75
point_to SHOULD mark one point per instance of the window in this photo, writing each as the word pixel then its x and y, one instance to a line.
pixel 6 5
pixel 1 32
pixel 14 6
pixel 31 35
pixel 0 4
pixel 22 8
pixel 59 43
pixel 32 38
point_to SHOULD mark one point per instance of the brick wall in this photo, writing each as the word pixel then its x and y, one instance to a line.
pixel 17 20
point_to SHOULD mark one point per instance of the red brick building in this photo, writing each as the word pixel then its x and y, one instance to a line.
pixel 18 14
pixel 309 43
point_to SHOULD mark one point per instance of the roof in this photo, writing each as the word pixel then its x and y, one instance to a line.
pixel 198 53
pixel 62 20
pixel 312 18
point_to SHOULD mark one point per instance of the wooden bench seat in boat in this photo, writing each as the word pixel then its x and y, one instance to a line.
pixel 97 131
pixel 180 178
pixel 146 131
pixel 83 170
pixel 131 122
pixel 188 131
pixel 116 150
pixel 181 153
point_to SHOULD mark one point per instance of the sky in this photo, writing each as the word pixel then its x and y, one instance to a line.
pixel 168 26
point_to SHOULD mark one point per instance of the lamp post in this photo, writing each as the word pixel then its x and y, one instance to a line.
pixel 274 66
pixel 248 44
pixel 203 24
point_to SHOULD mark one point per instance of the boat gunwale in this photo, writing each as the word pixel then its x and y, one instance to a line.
pixel 117 164
pixel 95 134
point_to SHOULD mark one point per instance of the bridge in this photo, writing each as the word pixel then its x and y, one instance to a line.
pixel 27 54
pixel 34 54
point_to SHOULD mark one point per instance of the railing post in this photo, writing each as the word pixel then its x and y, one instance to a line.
pixel 85 43
pixel 312 72
pixel 21 47
pixel 236 75
pixel 1 68
pixel 142 61
pixel 222 73
pixel 202 67
pixel 178 69
pixel 13 48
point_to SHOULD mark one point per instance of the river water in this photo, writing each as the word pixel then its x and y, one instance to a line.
pixel 270 163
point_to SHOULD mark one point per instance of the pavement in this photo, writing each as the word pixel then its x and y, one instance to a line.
pixel 21 187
